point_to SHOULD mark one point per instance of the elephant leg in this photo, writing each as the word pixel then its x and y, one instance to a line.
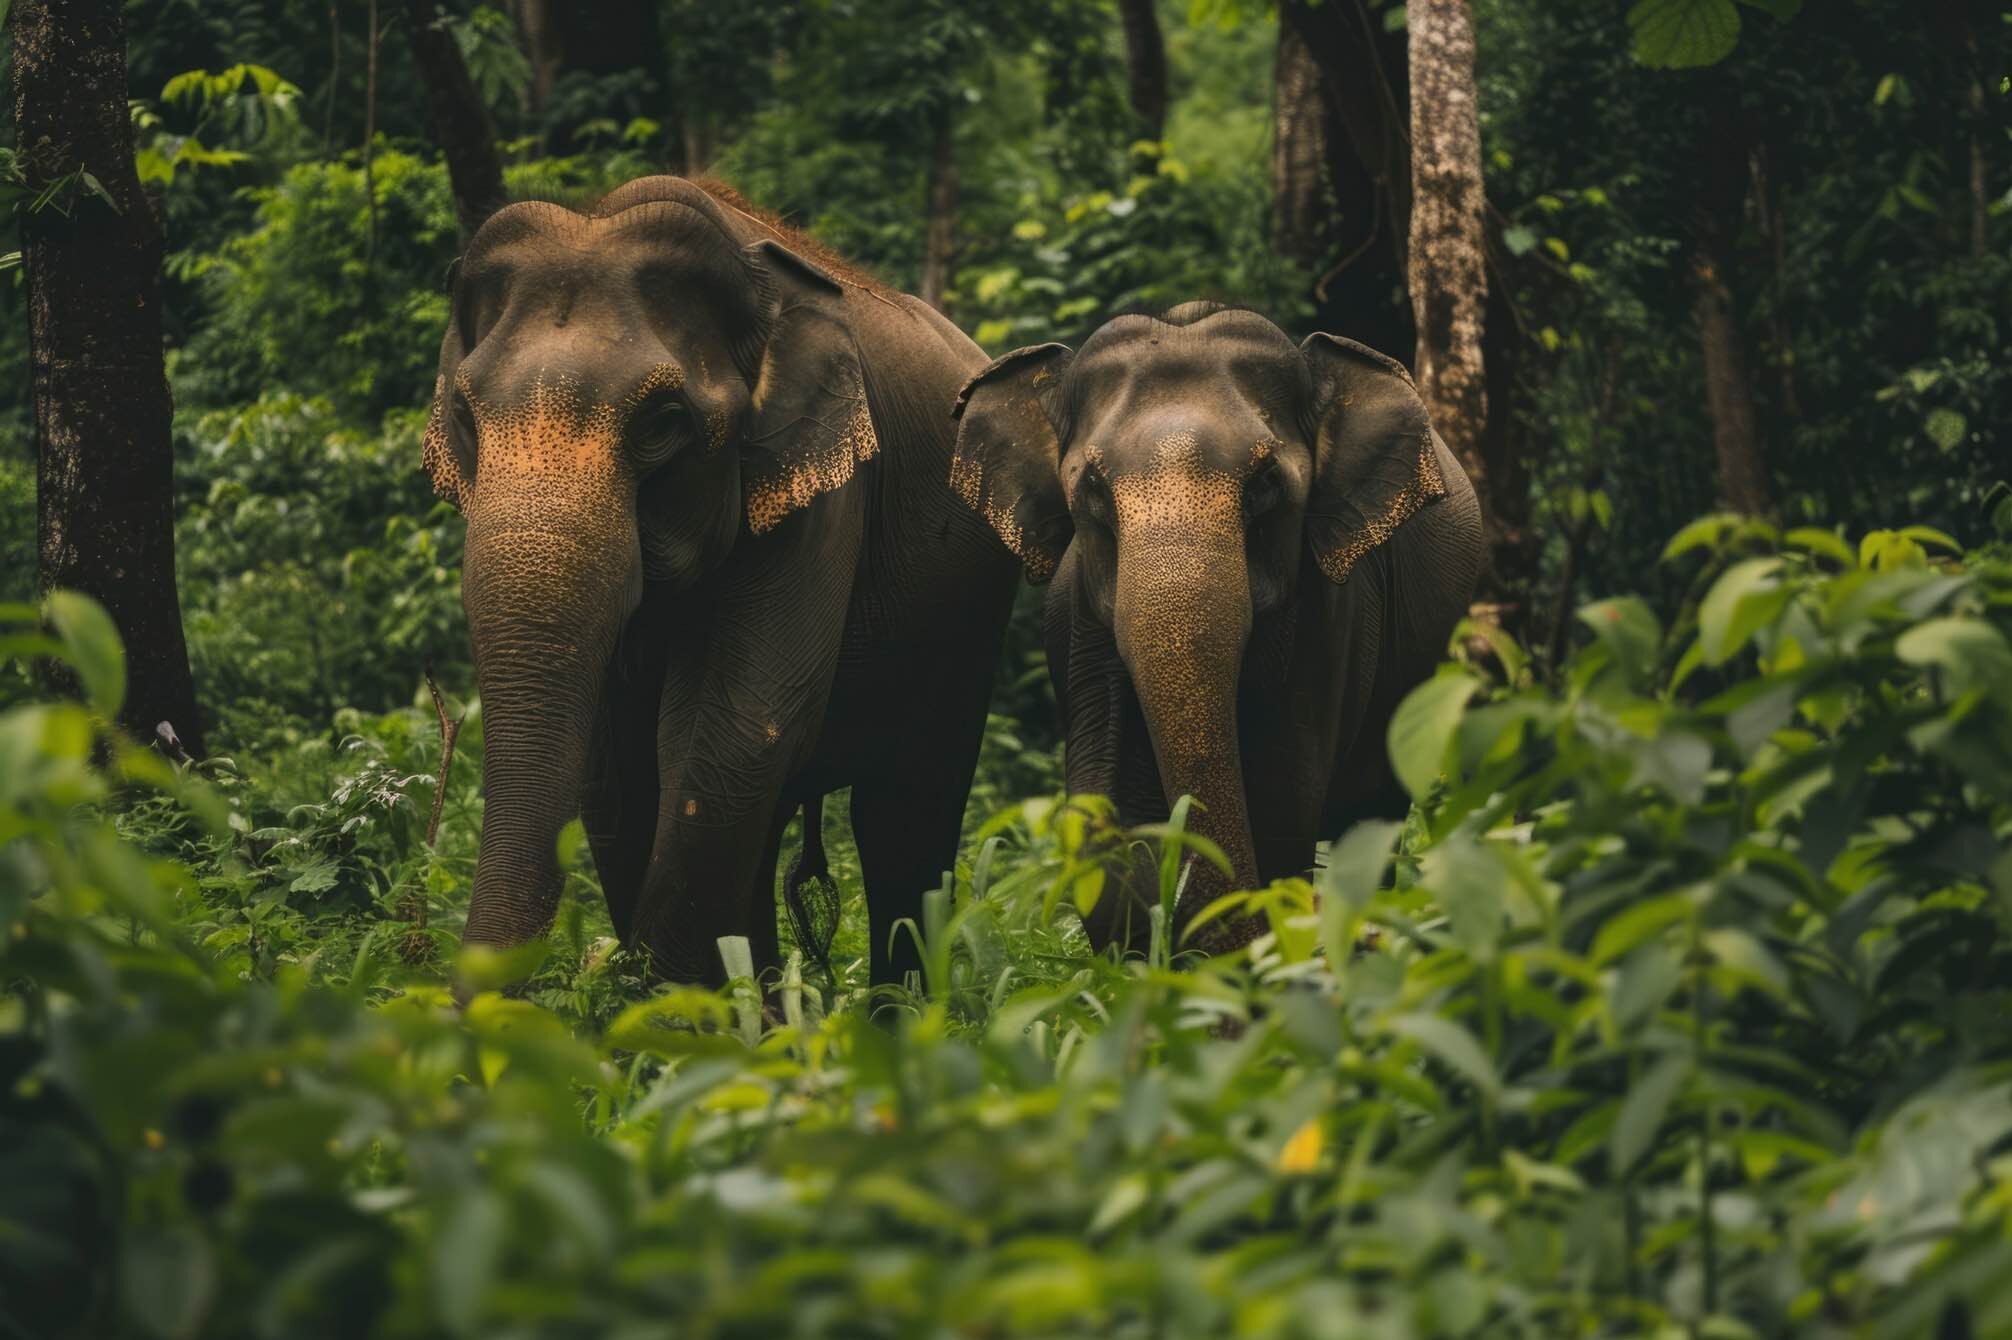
pixel 764 939
pixel 907 839
pixel 618 801
pixel 744 696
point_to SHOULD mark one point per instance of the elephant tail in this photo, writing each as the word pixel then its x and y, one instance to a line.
pixel 810 894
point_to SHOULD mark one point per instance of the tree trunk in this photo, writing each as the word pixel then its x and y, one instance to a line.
pixel 1723 178
pixel 539 34
pixel 939 232
pixel 1302 213
pixel 1448 272
pixel 1728 390
pixel 1364 80
pixel 456 118
pixel 105 482
pixel 1145 66
pixel 697 143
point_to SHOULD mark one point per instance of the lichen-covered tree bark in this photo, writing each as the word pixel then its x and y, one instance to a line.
pixel 92 262
pixel 1449 277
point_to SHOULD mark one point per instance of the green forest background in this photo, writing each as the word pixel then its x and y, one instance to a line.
pixel 1675 1008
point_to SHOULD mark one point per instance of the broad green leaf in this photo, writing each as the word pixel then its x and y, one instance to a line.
pixel 168 1278
pixel 1642 1112
pixel 1823 542
pixel 1681 34
pixel 1630 629
pixel 1704 533
pixel 1452 1044
pixel 1971 651
pixel 1355 865
pixel 1637 923
pixel 1423 727
pixel 1744 597
pixel 91 641
pixel 468 1247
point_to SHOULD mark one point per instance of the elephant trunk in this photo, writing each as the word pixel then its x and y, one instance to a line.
pixel 551 575
pixel 1182 614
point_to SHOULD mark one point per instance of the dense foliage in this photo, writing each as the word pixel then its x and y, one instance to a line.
pixel 1676 1008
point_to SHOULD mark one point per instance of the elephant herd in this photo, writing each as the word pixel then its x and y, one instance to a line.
pixel 745 527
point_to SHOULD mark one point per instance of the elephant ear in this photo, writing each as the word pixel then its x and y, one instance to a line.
pixel 447 448
pixel 810 428
pixel 1007 463
pixel 1376 462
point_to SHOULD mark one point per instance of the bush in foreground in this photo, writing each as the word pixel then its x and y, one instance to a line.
pixel 1676 1008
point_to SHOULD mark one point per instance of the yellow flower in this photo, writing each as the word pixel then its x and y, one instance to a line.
pixel 1302 1152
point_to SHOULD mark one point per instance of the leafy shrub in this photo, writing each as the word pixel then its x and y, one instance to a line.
pixel 312 300
pixel 1166 237
pixel 1675 1008
pixel 318 570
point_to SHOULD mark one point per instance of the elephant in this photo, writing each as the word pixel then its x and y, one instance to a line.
pixel 1254 550
pixel 713 568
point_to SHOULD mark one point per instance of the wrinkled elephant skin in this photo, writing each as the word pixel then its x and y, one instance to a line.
pixel 1256 549
pixel 711 554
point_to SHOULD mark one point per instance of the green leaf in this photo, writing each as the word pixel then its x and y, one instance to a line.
pixel 1423 727
pixel 1642 1112
pixel 468 1246
pixel 1452 1044
pixel 1683 34
pixel 1971 651
pixel 1630 630
pixel 1356 862
pixel 1704 533
pixel 1518 239
pixel 1822 542
pixel 92 642
pixel 317 877
pixel 97 188
pixel 1736 607
pixel 571 838
pixel 1623 932
pixel 1945 428
pixel 168 1277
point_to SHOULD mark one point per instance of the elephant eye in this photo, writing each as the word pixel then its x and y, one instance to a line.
pixel 1095 491
pixel 655 427
pixel 463 418
pixel 1264 490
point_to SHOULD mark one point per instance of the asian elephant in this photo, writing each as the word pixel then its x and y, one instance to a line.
pixel 1256 549
pixel 713 569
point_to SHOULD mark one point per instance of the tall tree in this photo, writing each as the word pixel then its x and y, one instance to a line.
pixel 92 262
pixel 1302 211
pixel 1448 272
pixel 456 117
pixel 1364 83
pixel 1145 65
pixel 1722 177
pixel 939 234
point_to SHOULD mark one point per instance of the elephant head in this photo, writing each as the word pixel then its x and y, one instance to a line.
pixel 1198 467
pixel 624 396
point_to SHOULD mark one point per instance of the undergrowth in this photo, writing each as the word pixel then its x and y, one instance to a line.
pixel 1677 1007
